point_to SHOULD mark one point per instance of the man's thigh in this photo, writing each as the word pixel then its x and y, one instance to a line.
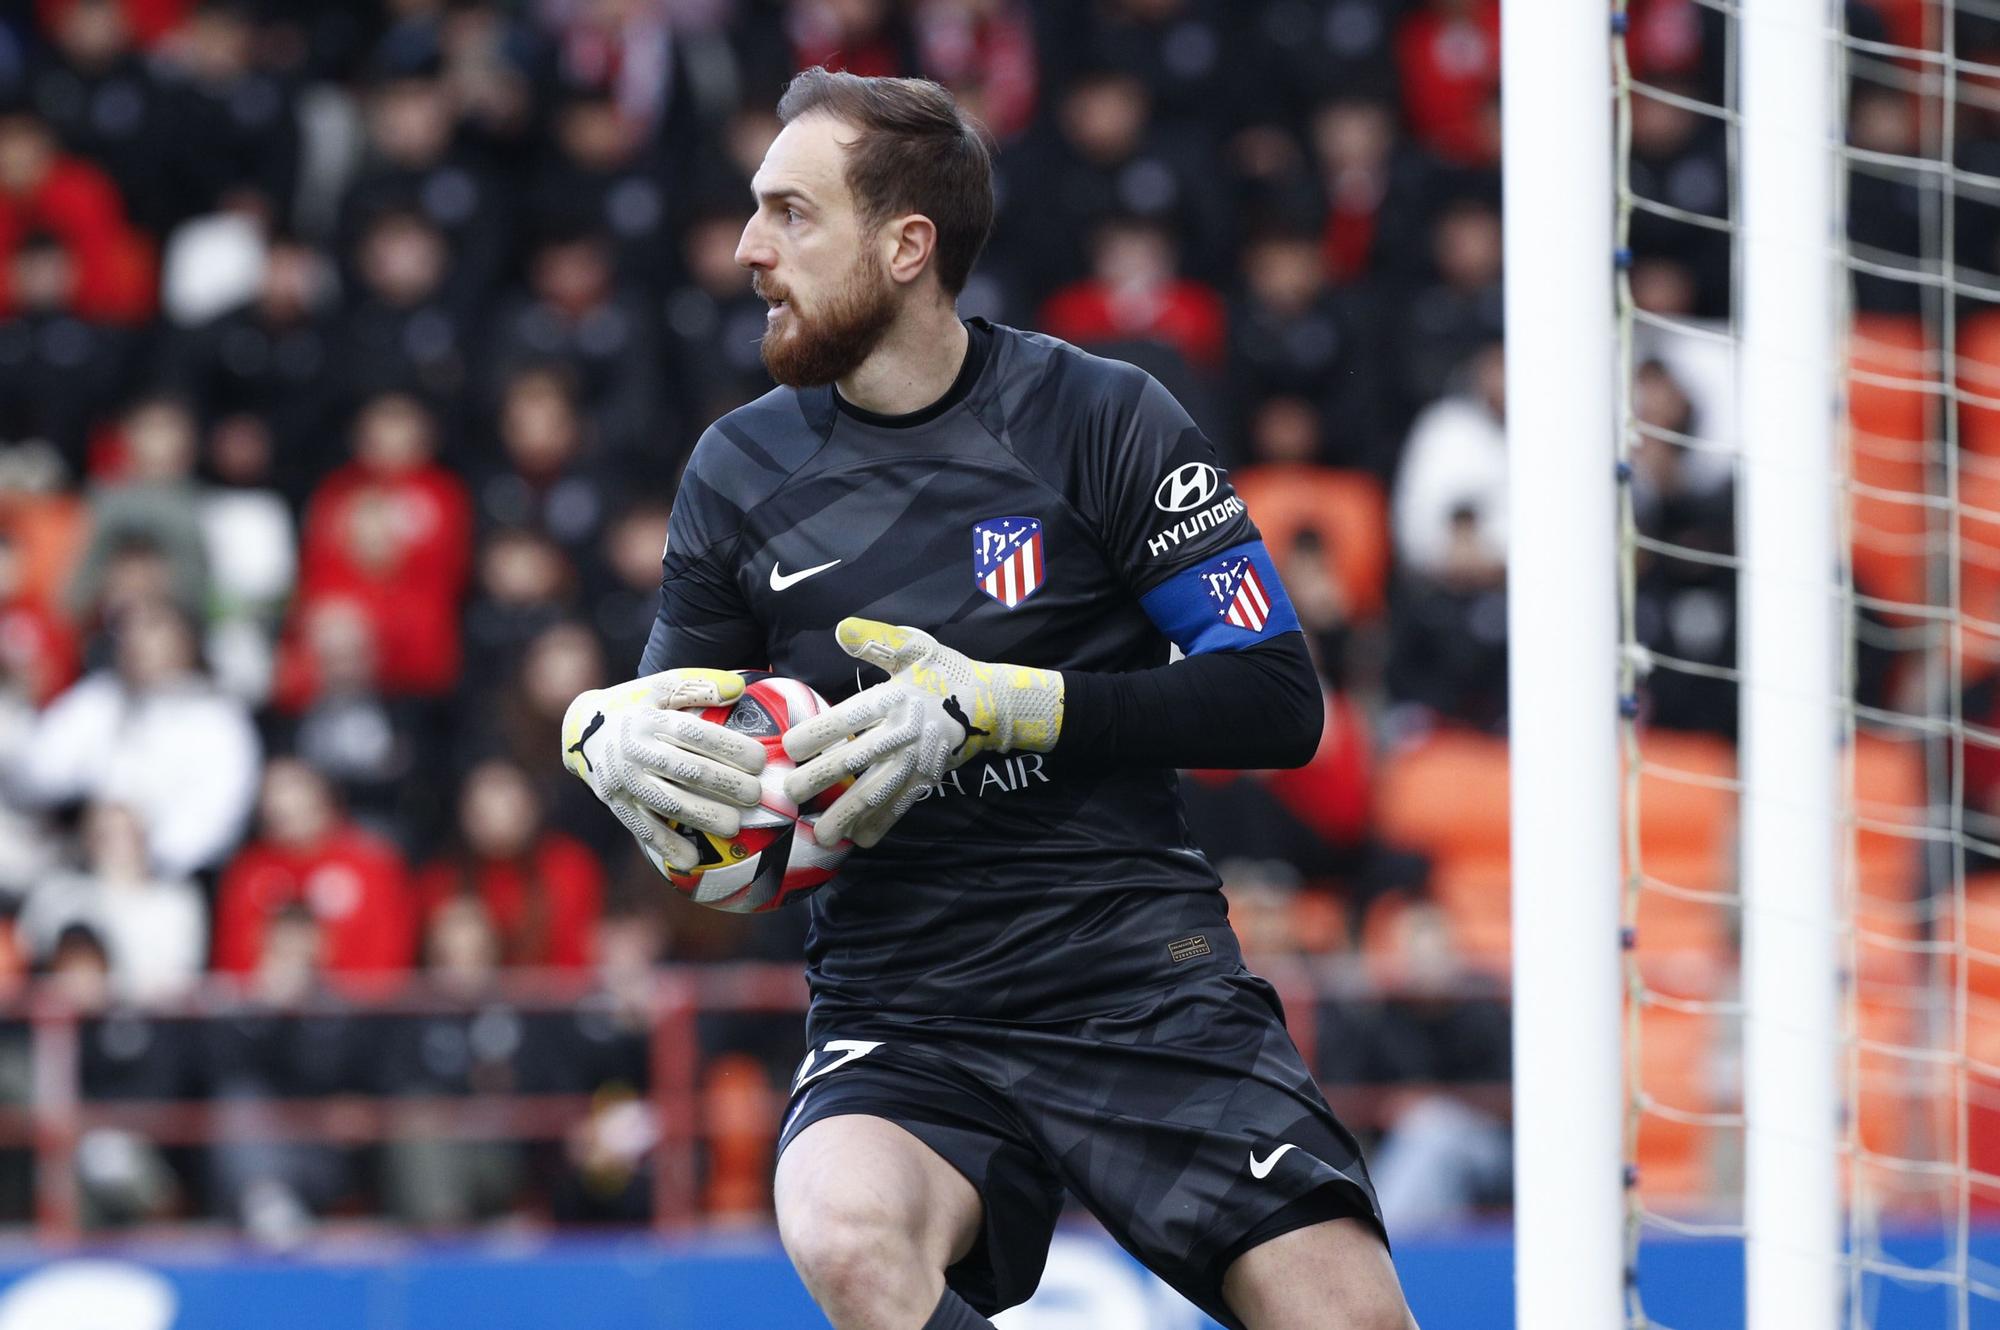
pixel 1191 1128
pixel 895 1115
pixel 1333 1273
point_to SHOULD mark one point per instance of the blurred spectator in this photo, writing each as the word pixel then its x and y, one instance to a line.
pixel 65 241
pixel 1449 618
pixel 291 1040
pixel 236 140
pixel 601 178
pixel 398 333
pixel 1679 159
pixel 1135 293
pixel 123 1054
pixel 1448 55
pixel 866 37
pixel 268 366
pixel 984 51
pixel 434 1182
pixel 415 165
pixel 573 314
pixel 601 1046
pixel 525 585
pixel 152 500
pixel 344 727
pixel 1460 307
pixel 1886 206
pixel 549 478
pixel 154 930
pixel 540 891
pixel 308 855
pixel 1684 607
pixel 95 89
pixel 1291 334
pixel 1184 51
pixel 1451 493
pixel 1305 53
pixel 1102 158
pixel 624 607
pixel 1446 1149
pixel 524 723
pixel 252 546
pixel 712 328
pixel 391 532
pixel 1376 189
pixel 153 733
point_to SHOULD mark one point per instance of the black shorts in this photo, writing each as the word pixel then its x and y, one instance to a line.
pixel 1187 1123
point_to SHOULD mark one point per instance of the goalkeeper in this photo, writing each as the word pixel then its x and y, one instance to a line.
pixel 984 544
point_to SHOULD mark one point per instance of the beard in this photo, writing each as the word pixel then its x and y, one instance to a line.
pixel 804 350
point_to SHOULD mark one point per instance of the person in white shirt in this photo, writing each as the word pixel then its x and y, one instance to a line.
pixel 155 929
pixel 1450 510
pixel 154 734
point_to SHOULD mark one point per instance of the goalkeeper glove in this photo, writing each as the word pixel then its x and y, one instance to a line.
pixel 648 759
pixel 938 709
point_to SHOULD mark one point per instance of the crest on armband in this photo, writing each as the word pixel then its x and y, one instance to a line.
pixel 1235 593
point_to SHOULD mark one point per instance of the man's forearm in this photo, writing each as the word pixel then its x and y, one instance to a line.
pixel 1252 709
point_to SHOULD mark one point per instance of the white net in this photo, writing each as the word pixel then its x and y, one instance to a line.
pixel 1917 480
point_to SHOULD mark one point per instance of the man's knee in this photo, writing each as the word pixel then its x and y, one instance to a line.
pixel 861 1264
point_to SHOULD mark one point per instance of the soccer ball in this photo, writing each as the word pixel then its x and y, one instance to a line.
pixel 774 859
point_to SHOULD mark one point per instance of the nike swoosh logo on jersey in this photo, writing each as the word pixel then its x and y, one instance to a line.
pixel 1261 1168
pixel 779 581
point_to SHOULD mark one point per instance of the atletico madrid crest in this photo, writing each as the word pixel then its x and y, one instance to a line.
pixel 1236 594
pixel 1007 558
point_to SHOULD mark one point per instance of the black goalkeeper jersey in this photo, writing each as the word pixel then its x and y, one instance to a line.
pixel 1055 509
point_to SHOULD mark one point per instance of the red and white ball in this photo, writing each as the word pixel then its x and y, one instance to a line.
pixel 774 859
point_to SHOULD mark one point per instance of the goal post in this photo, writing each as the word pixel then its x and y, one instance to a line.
pixel 1562 676
pixel 1790 687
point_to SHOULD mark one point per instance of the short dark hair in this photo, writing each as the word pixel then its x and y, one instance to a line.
pixel 917 153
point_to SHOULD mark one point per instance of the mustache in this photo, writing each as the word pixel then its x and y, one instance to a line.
pixel 768 291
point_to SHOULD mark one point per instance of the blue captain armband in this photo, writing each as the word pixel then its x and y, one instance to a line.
pixel 1224 603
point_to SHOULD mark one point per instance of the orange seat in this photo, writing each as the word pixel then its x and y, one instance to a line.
pixel 1890 418
pixel 1475 896
pixel 1447 796
pixel 49 532
pixel 1346 509
pixel 1687 807
pixel 1978 346
pixel 740 1119
pixel 1675 1054
pixel 1891 808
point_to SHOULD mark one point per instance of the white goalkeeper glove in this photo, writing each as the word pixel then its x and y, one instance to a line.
pixel 649 759
pixel 938 709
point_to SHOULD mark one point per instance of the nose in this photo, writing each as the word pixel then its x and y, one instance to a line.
pixel 752 249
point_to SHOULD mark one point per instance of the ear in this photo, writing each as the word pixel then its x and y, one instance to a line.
pixel 909 245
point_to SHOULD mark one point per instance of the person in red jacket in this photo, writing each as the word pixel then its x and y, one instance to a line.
pixel 542 889
pixel 392 532
pixel 309 853
pixel 1135 292
pixel 107 264
pixel 1448 56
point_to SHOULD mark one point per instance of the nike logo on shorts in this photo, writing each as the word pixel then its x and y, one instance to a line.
pixel 1261 1168
pixel 780 580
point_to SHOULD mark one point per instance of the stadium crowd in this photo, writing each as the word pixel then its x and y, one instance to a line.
pixel 349 353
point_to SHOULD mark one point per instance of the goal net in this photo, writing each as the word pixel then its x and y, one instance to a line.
pixel 1911 687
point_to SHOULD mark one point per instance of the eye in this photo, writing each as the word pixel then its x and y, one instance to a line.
pixel 791 214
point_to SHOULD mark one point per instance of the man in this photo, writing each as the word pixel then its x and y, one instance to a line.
pixel 1023 979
